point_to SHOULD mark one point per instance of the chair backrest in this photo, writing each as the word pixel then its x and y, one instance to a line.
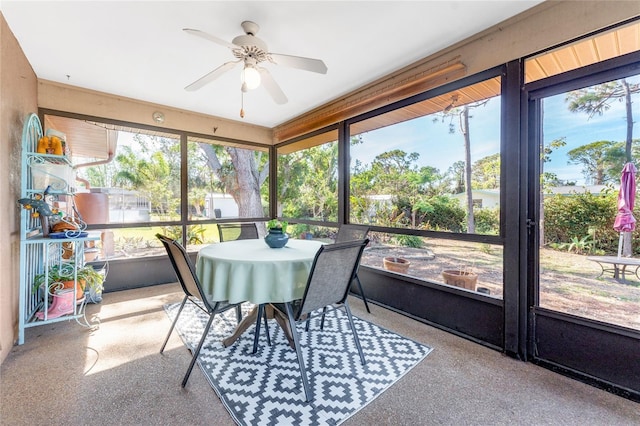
pixel 331 274
pixel 351 233
pixel 185 271
pixel 237 231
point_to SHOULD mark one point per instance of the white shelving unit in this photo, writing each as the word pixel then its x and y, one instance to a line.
pixel 49 177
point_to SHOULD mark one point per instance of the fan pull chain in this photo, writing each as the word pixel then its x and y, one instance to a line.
pixel 241 104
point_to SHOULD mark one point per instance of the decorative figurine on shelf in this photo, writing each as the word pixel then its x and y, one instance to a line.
pixel 40 208
pixel 276 236
pixel 54 223
pixel 51 145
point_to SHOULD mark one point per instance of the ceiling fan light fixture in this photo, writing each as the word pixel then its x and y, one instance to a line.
pixel 250 77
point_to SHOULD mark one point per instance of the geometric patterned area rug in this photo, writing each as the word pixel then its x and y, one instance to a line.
pixel 265 388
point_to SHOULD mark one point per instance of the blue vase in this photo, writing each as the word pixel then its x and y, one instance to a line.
pixel 275 238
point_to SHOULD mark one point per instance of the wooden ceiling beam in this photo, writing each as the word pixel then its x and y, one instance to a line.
pixel 377 94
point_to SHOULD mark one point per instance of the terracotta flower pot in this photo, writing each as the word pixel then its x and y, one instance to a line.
pixel 396 264
pixel 462 279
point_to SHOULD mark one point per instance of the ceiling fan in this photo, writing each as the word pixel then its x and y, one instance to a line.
pixel 251 52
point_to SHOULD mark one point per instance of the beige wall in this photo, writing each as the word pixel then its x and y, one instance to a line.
pixel 548 24
pixel 66 98
pixel 18 97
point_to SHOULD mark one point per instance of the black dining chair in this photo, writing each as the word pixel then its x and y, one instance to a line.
pixel 327 288
pixel 186 273
pixel 352 233
pixel 237 231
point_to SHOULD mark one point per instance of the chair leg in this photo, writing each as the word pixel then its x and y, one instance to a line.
pixel 296 342
pixel 364 298
pixel 239 313
pixel 266 328
pixel 324 312
pixel 175 320
pixel 197 351
pixel 355 334
pixel 307 321
pixel 256 335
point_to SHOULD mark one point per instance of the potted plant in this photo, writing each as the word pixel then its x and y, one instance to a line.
pixel 463 277
pixel 277 225
pixel 276 236
pixel 94 282
pixel 61 277
pixel 396 264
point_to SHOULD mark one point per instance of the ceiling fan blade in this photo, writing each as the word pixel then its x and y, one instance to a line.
pixel 307 64
pixel 208 78
pixel 272 87
pixel 210 37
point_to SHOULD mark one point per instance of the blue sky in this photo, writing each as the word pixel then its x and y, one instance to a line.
pixel 438 148
pixel 432 140
pixel 579 130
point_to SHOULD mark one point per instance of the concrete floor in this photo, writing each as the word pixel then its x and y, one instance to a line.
pixel 67 374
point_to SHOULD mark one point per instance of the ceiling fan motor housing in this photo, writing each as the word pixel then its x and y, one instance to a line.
pixel 250 46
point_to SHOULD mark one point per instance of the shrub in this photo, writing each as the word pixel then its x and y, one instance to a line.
pixel 584 245
pixel 195 233
pixel 567 219
pixel 487 221
pixel 441 213
pixel 409 241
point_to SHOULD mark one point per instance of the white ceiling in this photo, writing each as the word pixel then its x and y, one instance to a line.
pixel 138 49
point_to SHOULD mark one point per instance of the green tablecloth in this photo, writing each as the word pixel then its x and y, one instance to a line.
pixel 249 270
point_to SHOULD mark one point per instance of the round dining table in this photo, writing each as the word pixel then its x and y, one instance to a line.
pixel 249 270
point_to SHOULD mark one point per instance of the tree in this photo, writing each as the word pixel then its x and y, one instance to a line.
pixel 321 189
pixel 597 99
pixel 547 178
pixel 430 181
pixel 598 159
pixel 391 172
pixel 292 170
pixel 485 173
pixel 308 182
pixel 462 113
pixel 154 170
pixel 457 170
pixel 464 128
pixel 201 180
pixel 99 176
pixel 242 181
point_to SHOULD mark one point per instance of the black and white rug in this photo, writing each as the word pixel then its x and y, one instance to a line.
pixel 265 388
